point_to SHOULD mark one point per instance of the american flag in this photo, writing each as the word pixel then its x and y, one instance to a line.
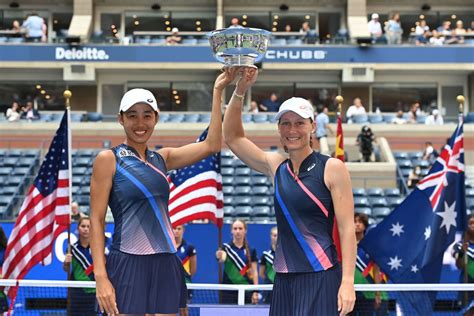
pixel 196 191
pixel 409 244
pixel 44 213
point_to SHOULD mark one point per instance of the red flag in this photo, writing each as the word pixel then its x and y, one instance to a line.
pixel 44 214
pixel 196 191
pixel 340 156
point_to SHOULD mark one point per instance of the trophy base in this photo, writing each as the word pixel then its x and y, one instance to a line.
pixel 239 61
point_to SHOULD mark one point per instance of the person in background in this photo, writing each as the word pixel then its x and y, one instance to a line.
pixel 13 114
pixel 413 113
pixel 188 256
pixel 322 128
pixel 287 28
pixel 234 22
pixel 76 214
pixel 435 118
pixel 355 109
pixel 368 303
pixel 429 153
pixel 272 104
pixel 253 107
pixel 394 30
pixel 240 263
pixel 463 252
pixel 375 29
pixel 29 113
pixel 267 272
pixel 174 38
pixel 414 177
pixel 366 140
pixel 399 119
pixel 34 26
pixel 82 299
pixel 309 35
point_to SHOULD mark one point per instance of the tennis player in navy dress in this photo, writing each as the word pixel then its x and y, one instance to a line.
pixel 310 191
pixel 142 274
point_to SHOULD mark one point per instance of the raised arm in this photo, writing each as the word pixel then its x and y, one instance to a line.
pixel 101 184
pixel 338 181
pixel 188 154
pixel 234 134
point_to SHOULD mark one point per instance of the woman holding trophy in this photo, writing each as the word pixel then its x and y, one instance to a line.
pixel 310 190
pixel 143 275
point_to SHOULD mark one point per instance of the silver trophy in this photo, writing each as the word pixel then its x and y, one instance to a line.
pixel 239 46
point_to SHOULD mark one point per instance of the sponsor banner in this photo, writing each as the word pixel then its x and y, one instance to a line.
pixel 203 54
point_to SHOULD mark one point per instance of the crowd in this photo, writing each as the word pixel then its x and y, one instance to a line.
pixel 17 112
pixel 33 29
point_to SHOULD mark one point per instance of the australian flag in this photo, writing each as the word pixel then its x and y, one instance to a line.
pixel 409 244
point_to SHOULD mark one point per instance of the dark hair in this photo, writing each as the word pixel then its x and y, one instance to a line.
pixel 3 239
pixel 363 218
pixel 466 236
pixel 83 218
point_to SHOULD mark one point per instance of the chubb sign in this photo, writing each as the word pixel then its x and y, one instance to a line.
pixel 304 54
pixel 85 53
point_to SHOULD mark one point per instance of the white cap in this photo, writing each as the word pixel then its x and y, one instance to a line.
pixel 435 112
pixel 174 30
pixel 375 16
pixel 135 96
pixel 300 106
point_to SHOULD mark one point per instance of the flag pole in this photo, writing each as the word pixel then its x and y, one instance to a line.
pixel 460 100
pixel 67 95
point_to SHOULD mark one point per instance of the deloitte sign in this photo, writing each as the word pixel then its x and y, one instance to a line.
pixel 85 53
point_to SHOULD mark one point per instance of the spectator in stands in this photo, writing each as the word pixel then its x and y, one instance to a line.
pixel 423 39
pixel 368 303
pixel 240 263
pixel 272 104
pixel 29 113
pixel 76 214
pixel 13 114
pixel 437 38
pixel 3 247
pixel 287 28
pixel 322 128
pixel 421 28
pixel 365 140
pixel 188 256
pixel 414 177
pixel 375 29
pixel 399 119
pixel 463 252
pixel 35 28
pixel 309 35
pixel 435 118
pixel 234 22
pixel 319 289
pixel 393 30
pixel 131 179
pixel 82 300
pixel 445 28
pixel 454 38
pixel 174 38
pixel 16 27
pixel 471 28
pixel 355 109
pixel 267 271
pixel 460 30
pixel 253 107
pixel 429 153
pixel 413 113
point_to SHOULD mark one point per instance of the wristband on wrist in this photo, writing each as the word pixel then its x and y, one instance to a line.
pixel 238 96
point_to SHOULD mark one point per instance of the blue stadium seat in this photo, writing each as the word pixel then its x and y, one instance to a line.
pixel 5 171
pixel 164 117
pixel 3 39
pixel 278 42
pixel 227 171
pixel 79 171
pixel 189 41
pixel 10 190
pixel 76 117
pixel 243 212
pixel 83 200
pixel 27 162
pixel 227 162
pixel 392 192
pixel 242 190
pixel 294 42
pixel 364 210
pixel 421 118
pixel 242 171
pixel 31 153
pixel 10 161
pixel 228 211
pixel 360 119
pixel 261 181
pixel 378 202
pixel 158 41
pixel 260 201
pixel 415 155
pixel 75 190
pixel 203 41
pixel 227 153
pixel 406 172
pixel 394 201
pixel 15 153
pixel 405 164
pixel 470 202
pixel 375 118
pixel 361 202
pixel 375 192
pixel 76 180
pixel 228 190
pixel 246 118
pixel 205 117
pixel 21 171
pixel 237 163
pixel 242 201
pixel 5 200
pixel 469 118
pixel 260 190
pixel 389 117
pixel 400 155
pixel 470 192
pixel 260 118
pixel 380 212
pixel 142 40
pixel 94 117
pixel 227 181
pixel 4 210
pixel 241 181
pixel 261 211
pixel 81 162
pixel 228 200
pixel 359 192
pixel 191 118
pixel 176 118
